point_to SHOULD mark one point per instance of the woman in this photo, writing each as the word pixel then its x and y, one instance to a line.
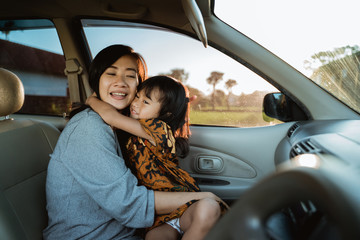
pixel 91 194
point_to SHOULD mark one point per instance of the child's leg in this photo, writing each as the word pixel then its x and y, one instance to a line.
pixel 162 232
pixel 199 218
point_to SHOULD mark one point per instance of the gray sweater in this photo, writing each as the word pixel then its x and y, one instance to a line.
pixel 90 192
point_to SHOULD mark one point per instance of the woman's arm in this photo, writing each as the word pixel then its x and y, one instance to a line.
pixel 166 202
pixel 89 152
pixel 114 118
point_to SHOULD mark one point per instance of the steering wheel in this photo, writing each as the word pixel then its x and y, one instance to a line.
pixel 333 188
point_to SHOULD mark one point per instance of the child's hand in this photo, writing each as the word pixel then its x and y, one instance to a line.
pixel 89 99
pixel 224 206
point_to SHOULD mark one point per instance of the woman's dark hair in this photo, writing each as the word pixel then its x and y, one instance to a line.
pixel 175 108
pixel 104 59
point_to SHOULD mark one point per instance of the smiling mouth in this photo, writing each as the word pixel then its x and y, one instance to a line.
pixel 118 94
pixel 133 112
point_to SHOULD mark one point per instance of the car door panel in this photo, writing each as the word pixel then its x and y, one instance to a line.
pixel 245 160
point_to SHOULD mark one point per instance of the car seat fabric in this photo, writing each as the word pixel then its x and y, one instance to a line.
pixel 25 146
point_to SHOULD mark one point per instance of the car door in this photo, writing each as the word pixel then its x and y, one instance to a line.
pixel 227 161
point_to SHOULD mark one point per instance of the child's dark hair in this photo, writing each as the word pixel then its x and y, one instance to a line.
pixel 174 99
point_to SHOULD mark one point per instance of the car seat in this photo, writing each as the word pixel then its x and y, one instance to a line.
pixel 25 146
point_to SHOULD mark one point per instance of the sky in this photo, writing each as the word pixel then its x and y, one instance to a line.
pixel 190 55
pixel 293 30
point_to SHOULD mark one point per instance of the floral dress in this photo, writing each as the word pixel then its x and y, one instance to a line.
pixel 156 166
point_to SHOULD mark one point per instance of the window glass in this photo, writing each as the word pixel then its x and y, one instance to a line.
pixel 227 93
pixel 31 49
pixel 319 38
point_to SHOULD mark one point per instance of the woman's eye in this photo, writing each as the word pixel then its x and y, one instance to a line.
pixel 111 73
pixel 131 76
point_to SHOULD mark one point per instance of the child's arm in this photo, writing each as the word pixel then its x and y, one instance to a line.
pixel 114 118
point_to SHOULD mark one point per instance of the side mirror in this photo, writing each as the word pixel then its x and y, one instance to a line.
pixel 283 108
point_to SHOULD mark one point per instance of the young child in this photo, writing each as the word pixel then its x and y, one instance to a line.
pixel 159 121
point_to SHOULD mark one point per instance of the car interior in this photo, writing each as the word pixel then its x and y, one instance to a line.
pixel 297 177
pixel 23 172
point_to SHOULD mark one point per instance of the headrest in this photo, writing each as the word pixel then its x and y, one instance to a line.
pixel 11 93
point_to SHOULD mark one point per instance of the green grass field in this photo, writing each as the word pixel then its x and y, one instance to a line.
pixel 229 118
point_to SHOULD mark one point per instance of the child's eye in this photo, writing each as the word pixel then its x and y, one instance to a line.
pixel 137 96
pixel 131 76
pixel 146 102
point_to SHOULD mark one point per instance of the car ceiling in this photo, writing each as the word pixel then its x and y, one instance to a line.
pixel 155 11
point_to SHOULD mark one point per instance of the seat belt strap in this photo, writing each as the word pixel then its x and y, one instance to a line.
pixel 73 71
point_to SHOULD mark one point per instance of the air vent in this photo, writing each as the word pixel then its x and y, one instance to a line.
pixel 303 147
pixel 292 130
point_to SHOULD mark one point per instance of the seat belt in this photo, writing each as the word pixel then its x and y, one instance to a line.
pixel 73 72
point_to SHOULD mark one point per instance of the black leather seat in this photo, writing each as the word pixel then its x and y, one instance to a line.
pixel 25 146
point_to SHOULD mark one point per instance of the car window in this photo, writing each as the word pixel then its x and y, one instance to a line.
pixel 227 93
pixel 319 38
pixel 31 49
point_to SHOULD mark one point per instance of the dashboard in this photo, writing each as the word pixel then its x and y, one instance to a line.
pixel 314 192
pixel 337 138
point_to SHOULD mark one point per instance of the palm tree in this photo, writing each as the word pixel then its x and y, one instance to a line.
pixel 178 74
pixel 229 84
pixel 215 78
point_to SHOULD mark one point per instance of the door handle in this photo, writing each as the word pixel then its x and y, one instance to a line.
pixel 209 164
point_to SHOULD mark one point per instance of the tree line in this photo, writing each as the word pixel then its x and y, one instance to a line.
pixel 218 99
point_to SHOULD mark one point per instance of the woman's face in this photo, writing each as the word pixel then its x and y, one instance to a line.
pixel 119 82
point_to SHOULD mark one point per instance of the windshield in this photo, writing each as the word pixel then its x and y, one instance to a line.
pixel 318 38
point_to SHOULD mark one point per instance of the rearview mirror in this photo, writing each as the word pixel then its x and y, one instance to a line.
pixel 283 108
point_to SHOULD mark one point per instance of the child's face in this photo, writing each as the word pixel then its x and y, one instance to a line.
pixel 144 107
